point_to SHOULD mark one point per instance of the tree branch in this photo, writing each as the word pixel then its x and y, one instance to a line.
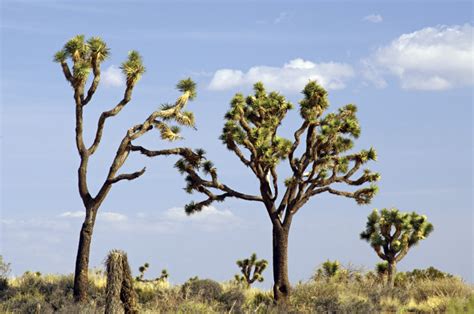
pixel 107 114
pixel 95 82
pixel 127 176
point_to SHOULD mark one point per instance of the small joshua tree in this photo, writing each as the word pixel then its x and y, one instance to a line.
pixel 251 269
pixel 318 162
pixel 392 233
pixel 142 269
pixel 86 57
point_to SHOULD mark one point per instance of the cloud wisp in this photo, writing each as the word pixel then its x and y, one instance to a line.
pixel 373 18
pixel 171 220
pixel 113 77
pixel 292 76
pixel 433 58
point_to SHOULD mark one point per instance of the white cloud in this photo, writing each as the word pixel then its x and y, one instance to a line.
pixel 105 216
pixel 113 77
pixel 76 214
pixel 208 215
pixel 373 18
pixel 293 76
pixel 169 221
pixel 111 216
pixel 433 58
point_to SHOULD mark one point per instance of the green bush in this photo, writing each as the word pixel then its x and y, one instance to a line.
pixel 204 289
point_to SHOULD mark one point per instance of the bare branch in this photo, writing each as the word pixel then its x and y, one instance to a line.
pixel 67 73
pixel 107 114
pixel 95 82
pixel 297 136
pixel 185 152
pixel 127 176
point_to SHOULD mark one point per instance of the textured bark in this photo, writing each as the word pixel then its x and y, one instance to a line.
pixel 81 275
pixel 281 287
pixel 391 271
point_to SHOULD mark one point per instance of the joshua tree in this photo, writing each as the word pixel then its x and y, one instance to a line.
pixel 142 269
pixel 119 290
pixel 251 269
pixel 86 56
pixel 316 166
pixel 392 233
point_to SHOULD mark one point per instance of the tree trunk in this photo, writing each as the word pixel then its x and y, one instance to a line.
pixel 81 275
pixel 391 270
pixel 281 287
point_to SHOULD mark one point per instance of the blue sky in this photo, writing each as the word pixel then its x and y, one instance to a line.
pixel 407 65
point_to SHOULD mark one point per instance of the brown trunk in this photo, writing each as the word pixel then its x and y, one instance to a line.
pixel 81 275
pixel 281 287
pixel 391 270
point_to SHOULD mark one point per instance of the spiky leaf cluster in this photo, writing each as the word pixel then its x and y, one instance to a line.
pixel 176 111
pixel 392 233
pixel 251 269
pixel 252 122
pixel 133 67
pixel 314 103
pixel 84 55
pixel 327 270
pixel 187 86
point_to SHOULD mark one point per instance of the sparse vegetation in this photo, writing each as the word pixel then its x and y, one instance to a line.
pixel 349 291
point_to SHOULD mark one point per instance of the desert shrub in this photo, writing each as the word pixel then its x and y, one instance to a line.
pixel 257 300
pixel 447 287
pixel 430 273
pixel 456 306
pixel 27 303
pixel 354 303
pixel 192 306
pixel 430 305
pixel 233 300
pixel 315 297
pixel 4 272
pixel 204 289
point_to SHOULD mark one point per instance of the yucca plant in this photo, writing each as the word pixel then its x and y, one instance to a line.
pixel 86 57
pixel 251 269
pixel 392 234
pixel 317 156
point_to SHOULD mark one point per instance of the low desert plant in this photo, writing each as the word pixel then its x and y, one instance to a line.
pixel 119 291
pixel 206 290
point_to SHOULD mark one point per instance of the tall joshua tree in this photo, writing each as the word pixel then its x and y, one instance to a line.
pixel 317 162
pixel 392 233
pixel 86 57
